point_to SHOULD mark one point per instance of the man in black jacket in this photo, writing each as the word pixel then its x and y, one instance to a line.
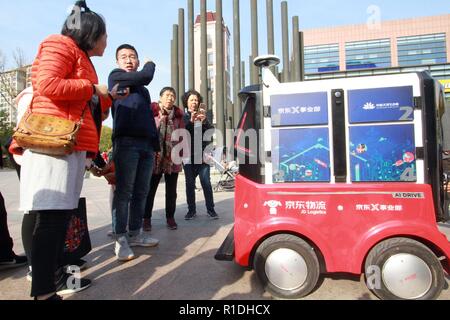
pixel 135 141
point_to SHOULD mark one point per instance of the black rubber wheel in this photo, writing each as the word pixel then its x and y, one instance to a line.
pixel 228 185
pixel 393 255
pixel 287 266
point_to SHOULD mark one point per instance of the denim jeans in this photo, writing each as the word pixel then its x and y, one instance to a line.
pixel 192 171
pixel 133 159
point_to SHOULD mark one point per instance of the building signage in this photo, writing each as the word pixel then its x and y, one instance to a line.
pixel 380 105
pixel 446 84
pixel 299 109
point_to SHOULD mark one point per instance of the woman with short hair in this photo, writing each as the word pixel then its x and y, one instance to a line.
pixel 64 82
pixel 168 119
pixel 196 123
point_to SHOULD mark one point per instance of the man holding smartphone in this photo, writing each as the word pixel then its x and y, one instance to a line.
pixel 135 141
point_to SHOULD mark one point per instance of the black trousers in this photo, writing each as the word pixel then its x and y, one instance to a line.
pixel 28 226
pixel 6 242
pixel 171 194
pixel 47 249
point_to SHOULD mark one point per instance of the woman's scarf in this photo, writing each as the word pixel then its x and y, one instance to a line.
pixel 163 160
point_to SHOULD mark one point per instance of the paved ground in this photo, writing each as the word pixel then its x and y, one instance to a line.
pixel 181 268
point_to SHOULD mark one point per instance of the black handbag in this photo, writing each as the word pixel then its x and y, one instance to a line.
pixel 78 242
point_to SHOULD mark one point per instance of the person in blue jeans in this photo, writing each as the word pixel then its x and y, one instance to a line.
pixel 135 141
pixel 197 124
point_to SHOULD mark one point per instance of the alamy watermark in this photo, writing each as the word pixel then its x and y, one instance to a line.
pixel 74 20
pixel 74 280
pixel 373 277
pixel 205 145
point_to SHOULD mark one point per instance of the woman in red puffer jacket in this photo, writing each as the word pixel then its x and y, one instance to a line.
pixel 64 81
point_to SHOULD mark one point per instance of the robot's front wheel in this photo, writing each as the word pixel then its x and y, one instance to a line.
pixel 287 266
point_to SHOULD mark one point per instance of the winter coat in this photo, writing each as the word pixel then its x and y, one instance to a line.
pixel 178 123
pixel 63 79
pixel 132 115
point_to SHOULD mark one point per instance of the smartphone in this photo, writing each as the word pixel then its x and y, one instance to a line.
pixel 122 92
pixel 202 108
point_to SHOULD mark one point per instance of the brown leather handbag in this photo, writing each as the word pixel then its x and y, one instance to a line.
pixel 47 134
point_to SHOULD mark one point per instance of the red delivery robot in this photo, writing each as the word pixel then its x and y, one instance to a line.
pixel 342 176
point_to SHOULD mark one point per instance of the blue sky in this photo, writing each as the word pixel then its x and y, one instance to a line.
pixel 148 24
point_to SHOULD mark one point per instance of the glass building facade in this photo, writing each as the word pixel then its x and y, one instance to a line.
pixel 323 58
pixel 396 46
pixel 368 54
pixel 422 49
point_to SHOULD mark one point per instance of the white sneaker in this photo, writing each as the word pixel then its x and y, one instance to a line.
pixel 142 240
pixel 123 251
pixel 29 274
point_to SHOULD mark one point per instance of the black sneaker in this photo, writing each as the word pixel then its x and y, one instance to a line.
pixel 14 262
pixel 190 216
pixel 213 215
pixel 67 285
pixel 80 263
pixel 171 224
pixel 54 297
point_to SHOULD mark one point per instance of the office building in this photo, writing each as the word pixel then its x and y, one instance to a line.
pixel 406 45
pixel 11 84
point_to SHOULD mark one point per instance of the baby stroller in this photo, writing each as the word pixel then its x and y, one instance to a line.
pixel 227 170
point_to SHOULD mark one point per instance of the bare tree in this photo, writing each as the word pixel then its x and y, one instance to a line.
pixel 20 58
pixel 2 61
pixel 7 90
pixel 5 87
pixel 6 127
